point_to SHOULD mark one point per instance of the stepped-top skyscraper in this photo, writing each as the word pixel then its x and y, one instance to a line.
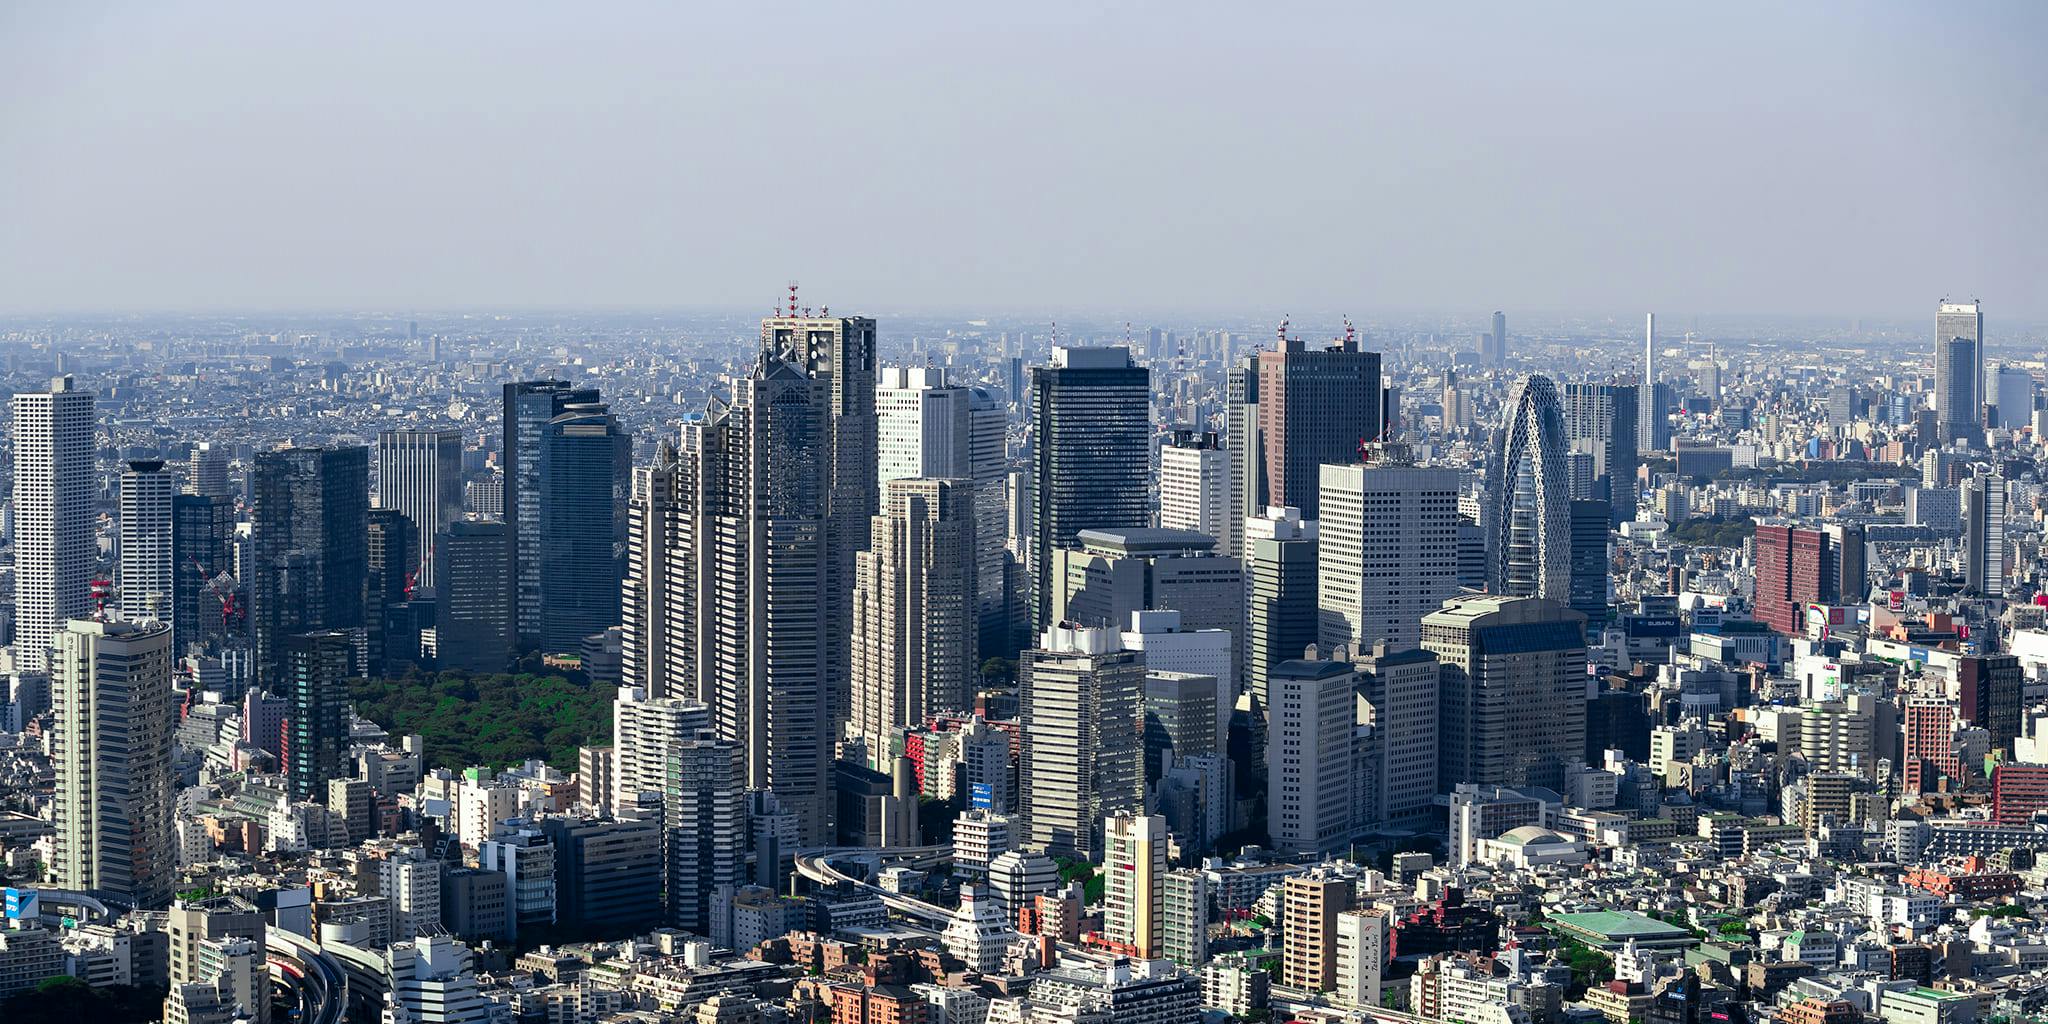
pixel 839 353
pixel 737 584
pixel 1316 406
pixel 1091 426
pixel 53 515
pixel 1958 369
pixel 1528 500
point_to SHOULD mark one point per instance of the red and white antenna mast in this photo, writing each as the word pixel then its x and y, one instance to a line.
pixel 792 298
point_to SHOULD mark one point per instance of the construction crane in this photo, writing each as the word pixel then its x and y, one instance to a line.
pixel 223 588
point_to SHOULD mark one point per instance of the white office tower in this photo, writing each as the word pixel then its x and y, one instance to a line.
pixel 1016 878
pixel 658 600
pixel 110 749
pixel 644 730
pixel 1134 887
pixel 1080 698
pixel 419 473
pixel 979 837
pixel 410 880
pixel 1649 417
pixel 53 516
pixel 1195 489
pixel 1167 647
pixel 1388 551
pixel 704 816
pixel 928 427
pixel 1185 939
pixel 146 567
pixel 915 635
pixel 1361 952
pixel 207 468
pixel 1312 735
pixel 233 986
pixel 433 981
pixel 1401 688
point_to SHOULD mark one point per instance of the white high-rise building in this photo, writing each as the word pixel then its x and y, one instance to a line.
pixel 1167 647
pixel 1648 415
pixel 419 473
pixel 1388 552
pixel 208 469
pixel 1313 777
pixel 644 730
pixel 704 815
pixel 53 516
pixel 146 567
pixel 1361 953
pixel 928 427
pixel 1195 489
pixel 1080 699
pixel 1134 888
pixel 110 750
pixel 1402 690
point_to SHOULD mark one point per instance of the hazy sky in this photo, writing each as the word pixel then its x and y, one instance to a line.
pixel 1831 158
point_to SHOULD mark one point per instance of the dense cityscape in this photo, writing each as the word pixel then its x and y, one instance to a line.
pixel 810 667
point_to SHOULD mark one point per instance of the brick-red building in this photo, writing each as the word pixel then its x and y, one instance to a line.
pixel 1793 570
pixel 2017 791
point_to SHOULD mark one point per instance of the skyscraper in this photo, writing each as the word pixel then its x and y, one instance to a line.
pixel 529 407
pixel 839 354
pixel 1529 542
pixel 308 547
pixel 704 815
pixel 1649 415
pixel 1600 420
pixel 1500 338
pixel 419 473
pixel 1081 708
pixel 1403 688
pixel 586 464
pixel 1247 450
pixel 1958 369
pixel 473 620
pixel 654 602
pixel 2015 397
pixel 1793 569
pixel 1134 888
pixel 315 684
pixel 1388 550
pixel 752 557
pixel 644 730
pixel 1315 407
pixel 1194 488
pixel 914 628
pixel 53 516
pixel 1984 555
pixel 1282 567
pixel 1313 787
pixel 1589 582
pixel 203 563
pixel 208 468
pixel 146 566
pixel 110 750
pixel 1513 708
pixel 927 427
pixel 392 552
pixel 1091 435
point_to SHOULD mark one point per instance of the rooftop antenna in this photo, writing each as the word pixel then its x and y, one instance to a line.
pixel 1350 332
pixel 1055 333
pixel 792 298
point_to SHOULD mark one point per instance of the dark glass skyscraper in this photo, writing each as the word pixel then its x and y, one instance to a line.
pixel 529 407
pixel 586 466
pixel 393 555
pixel 1091 425
pixel 473 625
pixel 1315 406
pixel 203 551
pixel 1600 420
pixel 315 684
pixel 308 544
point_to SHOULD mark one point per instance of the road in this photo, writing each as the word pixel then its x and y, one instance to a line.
pixel 314 979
